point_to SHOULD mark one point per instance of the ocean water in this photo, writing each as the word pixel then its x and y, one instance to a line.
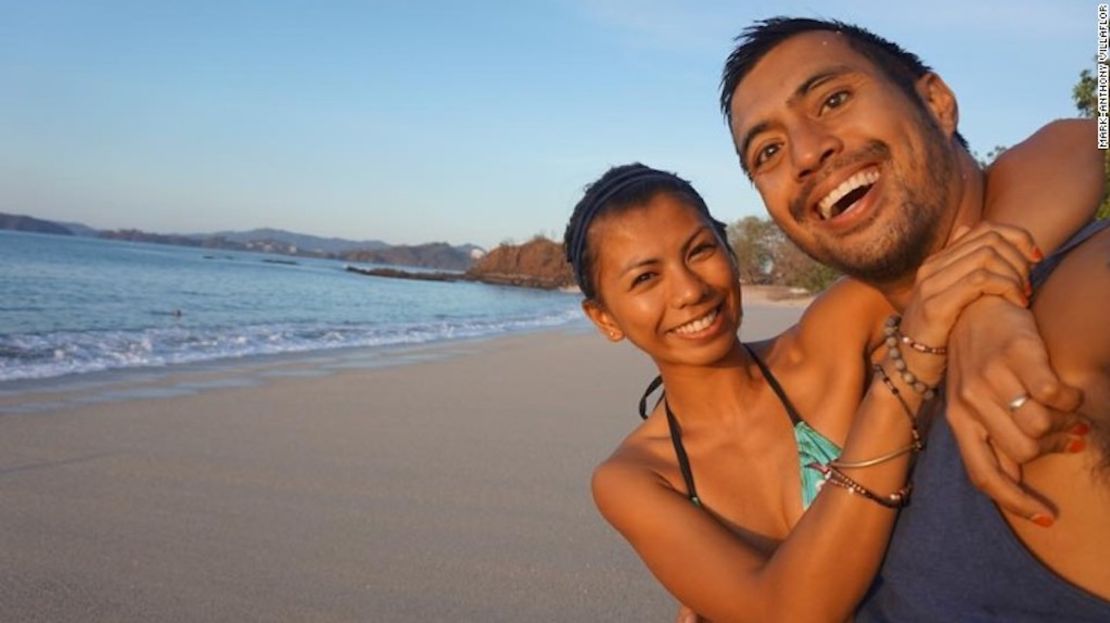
pixel 76 305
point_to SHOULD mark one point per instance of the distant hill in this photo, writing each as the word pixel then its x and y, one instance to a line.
pixel 80 229
pixel 268 240
pixel 433 255
pixel 19 222
pixel 539 263
pixel 301 241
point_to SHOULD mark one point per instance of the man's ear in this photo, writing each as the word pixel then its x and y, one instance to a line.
pixel 941 102
pixel 603 320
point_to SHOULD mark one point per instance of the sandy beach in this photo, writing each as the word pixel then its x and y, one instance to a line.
pixel 445 483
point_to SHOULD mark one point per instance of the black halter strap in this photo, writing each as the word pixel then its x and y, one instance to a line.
pixel 676 431
pixel 680 452
pixel 774 383
pixel 676 436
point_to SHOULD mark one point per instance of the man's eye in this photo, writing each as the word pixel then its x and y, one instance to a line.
pixel 703 249
pixel 642 278
pixel 836 100
pixel 765 154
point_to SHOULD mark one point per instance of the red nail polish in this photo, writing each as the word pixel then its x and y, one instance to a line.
pixel 1076 445
pixel 1028 289
pixel 1037 254
pixel 1080 429
pixel 1043 521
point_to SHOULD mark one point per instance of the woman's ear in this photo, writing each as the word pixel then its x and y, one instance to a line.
pixel 603 320
pixel 940 100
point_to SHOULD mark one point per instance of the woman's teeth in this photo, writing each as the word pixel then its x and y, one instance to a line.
pixel 866 177
pixel 699 324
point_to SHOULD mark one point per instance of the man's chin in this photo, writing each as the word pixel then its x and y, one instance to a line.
pixel 888 263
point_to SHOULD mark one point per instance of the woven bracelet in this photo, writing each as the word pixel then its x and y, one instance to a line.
pixel 834 476
pixel 893 329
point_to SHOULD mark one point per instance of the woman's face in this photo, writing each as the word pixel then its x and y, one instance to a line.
pixel 665 282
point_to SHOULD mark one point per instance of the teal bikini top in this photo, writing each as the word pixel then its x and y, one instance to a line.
pixel 813 447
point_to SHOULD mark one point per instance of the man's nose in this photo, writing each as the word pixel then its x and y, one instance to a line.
pixel 811 145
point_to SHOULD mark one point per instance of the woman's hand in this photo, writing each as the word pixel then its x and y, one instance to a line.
pixel 995 359
pixel 987 260
pixel 1005 403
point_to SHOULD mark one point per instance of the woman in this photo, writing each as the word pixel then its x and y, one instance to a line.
pixel 739 543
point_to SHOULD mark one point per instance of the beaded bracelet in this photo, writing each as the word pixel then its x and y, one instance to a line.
pixel 893 330
pixel 834 476
pixel 895 354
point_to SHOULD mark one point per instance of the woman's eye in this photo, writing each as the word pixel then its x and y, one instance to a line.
pixel 836 100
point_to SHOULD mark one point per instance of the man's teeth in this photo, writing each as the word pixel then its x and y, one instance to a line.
pixel 863 178
pixel 699 324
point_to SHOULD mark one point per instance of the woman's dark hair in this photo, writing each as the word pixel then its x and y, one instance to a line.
pixel 619 189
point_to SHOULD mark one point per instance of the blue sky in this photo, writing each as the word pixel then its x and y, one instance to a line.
pixel 414 122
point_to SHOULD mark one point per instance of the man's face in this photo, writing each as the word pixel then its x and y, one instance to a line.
pixel 853 171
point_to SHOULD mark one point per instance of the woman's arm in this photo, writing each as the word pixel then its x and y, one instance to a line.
pixel 821 570
pixel 1050 184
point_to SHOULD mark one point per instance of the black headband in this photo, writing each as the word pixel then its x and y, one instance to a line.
pixel 576 247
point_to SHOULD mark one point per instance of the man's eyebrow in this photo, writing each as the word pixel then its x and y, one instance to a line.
pixel 817 79
pixel 805 87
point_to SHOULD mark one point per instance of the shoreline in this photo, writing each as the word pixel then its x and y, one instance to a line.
pixel 758 300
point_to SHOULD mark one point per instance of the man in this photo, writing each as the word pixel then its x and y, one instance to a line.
pixel 853 145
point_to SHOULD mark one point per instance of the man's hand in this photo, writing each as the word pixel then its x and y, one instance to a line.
pixel 996 357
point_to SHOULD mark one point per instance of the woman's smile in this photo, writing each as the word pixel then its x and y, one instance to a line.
pixel 705 326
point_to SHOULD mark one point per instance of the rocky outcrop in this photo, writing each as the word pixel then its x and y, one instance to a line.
pixel 539 263
pixel 393 273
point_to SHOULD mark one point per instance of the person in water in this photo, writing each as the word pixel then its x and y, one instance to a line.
pixel 718 489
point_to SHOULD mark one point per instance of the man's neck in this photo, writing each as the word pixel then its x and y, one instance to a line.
pixel 966 201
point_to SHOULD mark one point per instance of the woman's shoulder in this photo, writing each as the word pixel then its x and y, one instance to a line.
pixel 639 465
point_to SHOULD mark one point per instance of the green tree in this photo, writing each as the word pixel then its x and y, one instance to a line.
pixel 752 240
pixel 1084 94
pixel 1086 102
pixel 765 256
pixel 992 155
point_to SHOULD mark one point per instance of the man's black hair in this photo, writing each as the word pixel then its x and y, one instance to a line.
pixel 903 68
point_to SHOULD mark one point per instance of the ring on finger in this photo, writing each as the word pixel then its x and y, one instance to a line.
pixel 1018 402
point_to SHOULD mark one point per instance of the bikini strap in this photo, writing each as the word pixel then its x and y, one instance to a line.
pixel 680 452
pixel 652 386
pixel 676 437
pixel 795 418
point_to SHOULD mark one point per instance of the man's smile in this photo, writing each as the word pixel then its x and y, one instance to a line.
pixel 846 194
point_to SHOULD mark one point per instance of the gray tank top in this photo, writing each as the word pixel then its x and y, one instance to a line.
pixel 952 556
